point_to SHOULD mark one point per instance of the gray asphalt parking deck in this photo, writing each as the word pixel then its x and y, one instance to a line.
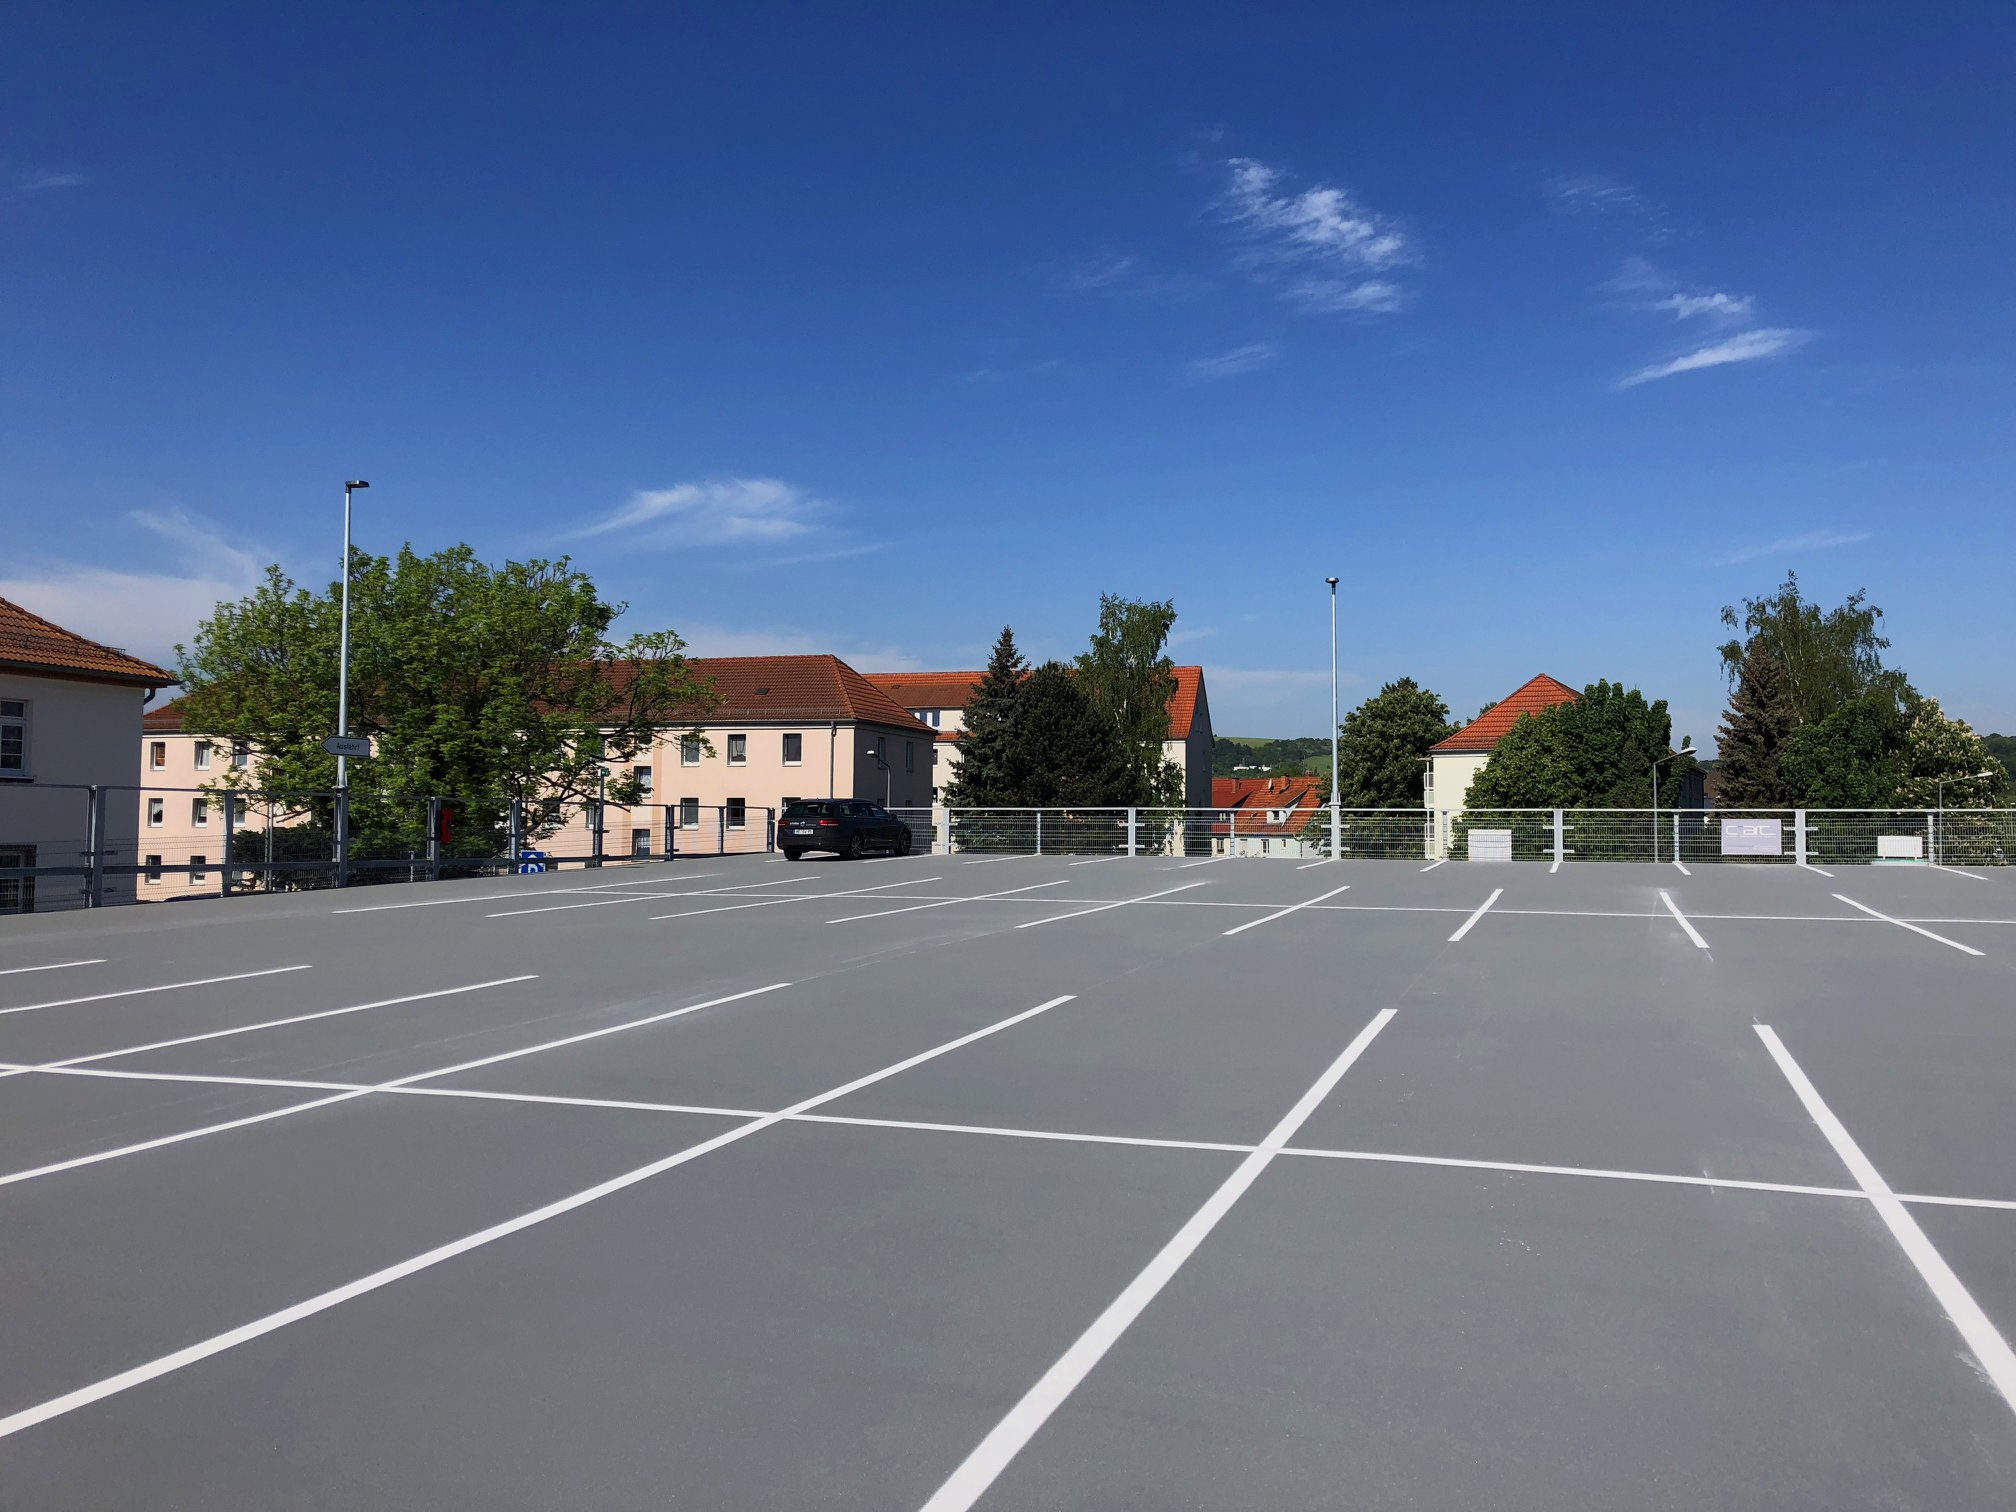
pixel 1021 1184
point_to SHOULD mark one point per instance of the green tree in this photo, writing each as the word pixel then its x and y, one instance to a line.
pixel 1826 658
pixel 1594 752
pixel 474 681
pixel 1851 759
pixel 2002 748
pixel 1751 742
pixel 988 774
pixel 1935 747
pixel 1065 748
pixel 1129 678
pixel 1382 743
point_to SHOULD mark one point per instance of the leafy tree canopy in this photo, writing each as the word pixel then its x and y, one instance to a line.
pixel 1851 759
pixel 1936 747
pixel 1381 744
pixel 1826 658
pixel 1594 752
pixel 475 681
pixel 1067 751
pixel 1294 757
pixel 1129 678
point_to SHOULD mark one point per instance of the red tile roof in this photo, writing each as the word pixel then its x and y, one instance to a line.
pixel 754 689
pixel 1250 798
pixel 758 688
pixel 1485 731
pixel 954 690
pixel 30 643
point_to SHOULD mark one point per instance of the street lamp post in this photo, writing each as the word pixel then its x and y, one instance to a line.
pixel 343 702
pixel 1336 814
pixel 1939 851
pixel 1686 749
pixel 888 775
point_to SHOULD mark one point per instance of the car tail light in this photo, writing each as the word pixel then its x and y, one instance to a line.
pixel 829 824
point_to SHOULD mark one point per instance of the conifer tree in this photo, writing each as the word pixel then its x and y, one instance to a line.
pixel 1751 741
pixel 988 773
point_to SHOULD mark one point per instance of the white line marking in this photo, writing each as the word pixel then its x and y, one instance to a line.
pixel 1912 927
pixel 99 997
pixel 1482 909
pixel 1808 866
pixel 52 966
pixel 852 892
pixel 1207 861
pixel 1554 868
pixel 1103 907
pixel 695 913
pixel 1297 908
pixel 1433 864
pixel 514 913
pixel 988 860
pixel 1683 870
pixel 1959 873
pixel 1312 865
pixel 523 892
pixel 948 902
pixel 1674 909
pixel 1096 860
pixel 299 1018
pixel 967 1484
pixel 1520 1168
pixel 217 1344
pixel 1981 1336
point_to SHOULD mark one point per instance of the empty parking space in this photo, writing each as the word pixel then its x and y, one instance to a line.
pixel 1031 1183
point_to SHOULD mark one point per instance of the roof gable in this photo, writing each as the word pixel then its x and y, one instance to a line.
pixel 954 690
pixel 758 688
pixel 1485 731
pixel 30 643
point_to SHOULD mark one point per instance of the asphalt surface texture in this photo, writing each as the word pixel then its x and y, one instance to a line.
pixel 1018 1183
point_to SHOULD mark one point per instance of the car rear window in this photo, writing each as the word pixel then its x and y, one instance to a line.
pixel 812 811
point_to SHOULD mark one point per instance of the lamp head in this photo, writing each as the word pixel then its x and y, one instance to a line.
pixel 1331 581
pixel 356 483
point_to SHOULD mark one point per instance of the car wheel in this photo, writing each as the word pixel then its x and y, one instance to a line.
pixel 793 855
pixel 857 847
pixel 903 843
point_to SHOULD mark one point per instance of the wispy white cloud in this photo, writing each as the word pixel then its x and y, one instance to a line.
pixel 1599 197
pixel 1339 245
pixel 1717 307
pixel 717 512
pixel 35 183
pixel 743 640
pixel 1745 346
pixel 1004 374
pixel 1125 275
pixel 1244 359
pixel 147 613
pixel 1812 540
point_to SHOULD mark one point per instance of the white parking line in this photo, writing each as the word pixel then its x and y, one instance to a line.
pixel 1989 1348
pixel 1433 864
pixel 52 966
pixel 1311 865
pixel 948 902
pixel 1482 909
pixel 980 1469
pixel 1674 909
pixel 1207 861
pixel 1103 907
pixel 1554 868
pixel 989 860
pixel 1683 869
pixel 166 1364
pixel 1297 908
pixel 1969 949
pixel 639 897
pixel 99 997
pixel 1808 866
pixel 852 892
pixel 1096 860
pixel 1958 873
pixel 523 892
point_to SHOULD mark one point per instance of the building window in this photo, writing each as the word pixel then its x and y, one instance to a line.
pixel 155 815
pixel 14 742
pixel 931 718
pixel 794 749
pixel 640 842
pixel 157 755
pixel 17 894
pixel 202 755
pixel 882 749
pixel 909 755
pixel 738 813
pixel 199 812
pixel 689 750
pixel 241 754
pixel 738 750
pixel 689 813
pixel 196 871
pixel 643 776
pixel 153 871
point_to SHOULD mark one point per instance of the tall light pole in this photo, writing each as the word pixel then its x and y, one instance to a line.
pixel 1686 749
pixel 343 701
pixel 1336 814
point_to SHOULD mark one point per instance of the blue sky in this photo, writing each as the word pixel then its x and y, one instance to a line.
pixel 1548 329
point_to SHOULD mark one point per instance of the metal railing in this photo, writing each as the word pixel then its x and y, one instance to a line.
pixel 65 846
pixel 73 846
